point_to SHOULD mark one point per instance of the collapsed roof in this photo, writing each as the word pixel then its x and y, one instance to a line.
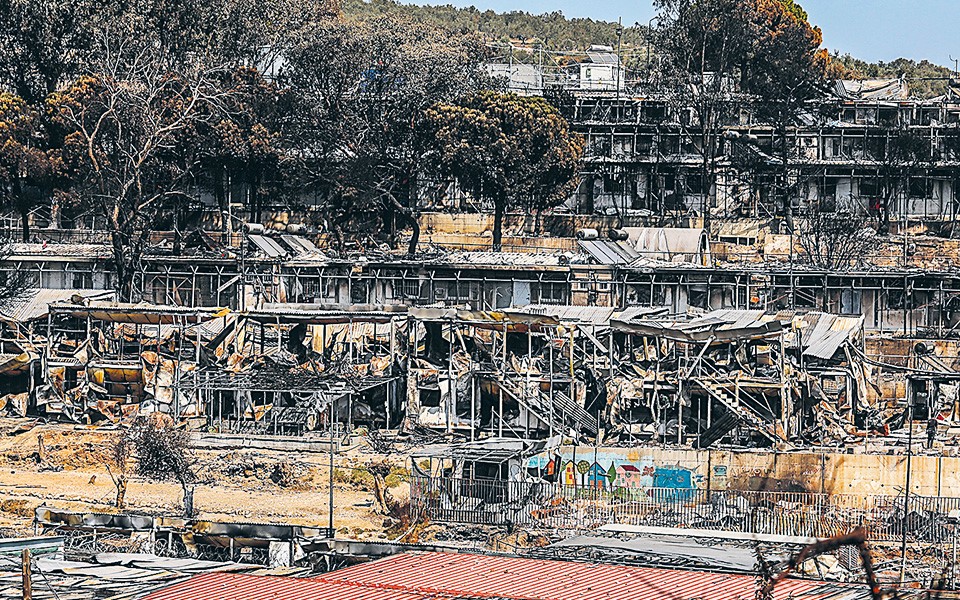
pixel 872 89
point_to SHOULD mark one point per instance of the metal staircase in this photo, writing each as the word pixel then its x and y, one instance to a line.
pixel 565 413
pixel 746 409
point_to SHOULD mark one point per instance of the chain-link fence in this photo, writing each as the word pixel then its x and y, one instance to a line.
pixel 540 504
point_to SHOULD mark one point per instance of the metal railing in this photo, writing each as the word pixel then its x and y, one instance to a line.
pixel 551 505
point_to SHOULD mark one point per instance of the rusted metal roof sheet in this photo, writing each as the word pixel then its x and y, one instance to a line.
pixel 478 576
pixel 232 586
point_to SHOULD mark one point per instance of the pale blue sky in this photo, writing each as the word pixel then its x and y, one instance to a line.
pixel 870 29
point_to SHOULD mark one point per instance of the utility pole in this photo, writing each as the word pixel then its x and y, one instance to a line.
pixel 331 530
pixel 510 62
pixel 26 575
pixel 648 41
pixel 543 81
pixel 906 493
pixel 619 60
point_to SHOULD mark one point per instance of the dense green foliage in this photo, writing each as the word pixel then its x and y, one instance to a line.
pixel 511 150
pixel 553 29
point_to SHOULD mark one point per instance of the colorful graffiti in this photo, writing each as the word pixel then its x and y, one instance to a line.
pixel 620 474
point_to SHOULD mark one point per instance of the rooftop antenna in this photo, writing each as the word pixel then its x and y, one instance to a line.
pixel 956 66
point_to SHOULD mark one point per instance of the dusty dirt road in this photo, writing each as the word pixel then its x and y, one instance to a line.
pixel 69 472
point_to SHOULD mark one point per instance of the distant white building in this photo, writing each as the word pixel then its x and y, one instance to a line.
pixel 601 70
pixel 521 78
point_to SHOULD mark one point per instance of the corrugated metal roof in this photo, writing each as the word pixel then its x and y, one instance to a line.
pixel 503 259
pixel 872 89
pixel 36 304
pixel 60 252
pixel 637 312
pixel 232 586
pixel 721 325
pixel 479 576
pixel 583 314
pixel 822 334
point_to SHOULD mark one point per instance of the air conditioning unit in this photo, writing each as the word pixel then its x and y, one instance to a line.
pixel 440 293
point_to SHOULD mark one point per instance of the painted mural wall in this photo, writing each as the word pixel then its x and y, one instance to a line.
pixel 832 473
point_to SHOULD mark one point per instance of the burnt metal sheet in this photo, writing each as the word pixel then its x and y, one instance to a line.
pixel 107 572
pixel 142 313
pixel 636 312
pixel 514 320
pixel 822 334
pixel 658 549
pixel 599 315
pixel 10 363
pixel 164 563
pixel 722 326
pixel 121 522
pixel 872 89
pixel 320 314
pixel 493 450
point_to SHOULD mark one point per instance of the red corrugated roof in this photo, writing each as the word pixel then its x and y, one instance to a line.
pixel 479 576
pixel 234 586
pixel 438 576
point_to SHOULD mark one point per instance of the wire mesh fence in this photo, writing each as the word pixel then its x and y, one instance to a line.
pixel 550 505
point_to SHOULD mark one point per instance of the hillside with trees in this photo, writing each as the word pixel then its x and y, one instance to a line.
pixel 557 32
pixel 554 30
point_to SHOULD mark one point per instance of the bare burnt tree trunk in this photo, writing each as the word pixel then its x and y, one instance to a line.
pixel 410 218
pixel 121 499
pixel 188 490
pixel 25 222
pixel 124 283
pixel 499 207
pixel 785 176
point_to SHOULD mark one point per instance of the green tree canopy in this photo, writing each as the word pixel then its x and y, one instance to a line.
pixel 27 168
pixel 511 150
pixel 364 89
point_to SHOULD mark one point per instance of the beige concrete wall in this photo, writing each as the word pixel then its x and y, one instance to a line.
pixel 514 224
pixel 482 243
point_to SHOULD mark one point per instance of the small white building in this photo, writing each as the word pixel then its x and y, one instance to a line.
pixel 601 70
pixel 523 79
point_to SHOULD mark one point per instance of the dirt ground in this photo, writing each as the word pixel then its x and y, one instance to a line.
pixel 69 472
